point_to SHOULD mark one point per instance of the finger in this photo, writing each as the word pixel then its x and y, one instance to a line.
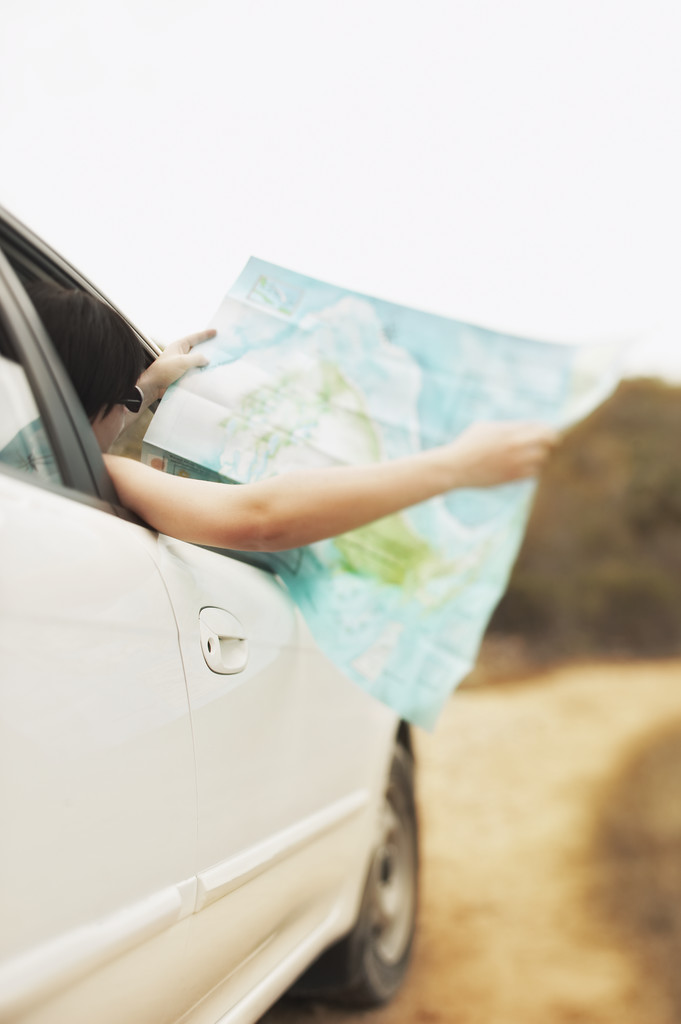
pixel 196 339
pixel 178 365
pixel 196 359
pixel 537 431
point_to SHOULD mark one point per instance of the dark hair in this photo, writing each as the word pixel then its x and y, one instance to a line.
pixel 101 352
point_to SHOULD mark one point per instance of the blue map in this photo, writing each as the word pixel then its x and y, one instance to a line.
pixel 304 374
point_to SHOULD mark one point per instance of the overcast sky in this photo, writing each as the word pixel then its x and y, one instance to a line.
pixel 516 164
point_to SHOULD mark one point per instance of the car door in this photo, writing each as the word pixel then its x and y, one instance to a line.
pixel 97 791
pixel 291 761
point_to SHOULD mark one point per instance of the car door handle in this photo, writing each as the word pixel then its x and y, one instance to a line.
pixel 223 643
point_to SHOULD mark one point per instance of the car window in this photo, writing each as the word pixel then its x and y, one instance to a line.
pixel 24 444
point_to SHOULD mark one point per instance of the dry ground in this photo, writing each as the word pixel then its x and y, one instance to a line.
pixel 551 849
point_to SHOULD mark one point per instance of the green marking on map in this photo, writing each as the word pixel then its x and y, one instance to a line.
pixel 390 551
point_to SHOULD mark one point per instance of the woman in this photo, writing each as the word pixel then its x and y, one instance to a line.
pixel 105 361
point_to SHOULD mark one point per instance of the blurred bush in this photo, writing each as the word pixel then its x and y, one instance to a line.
pixel 600 569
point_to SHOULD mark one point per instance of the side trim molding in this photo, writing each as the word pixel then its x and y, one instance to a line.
pixel 30 977
pixel 228 875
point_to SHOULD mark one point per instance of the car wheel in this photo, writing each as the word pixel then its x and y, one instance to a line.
pixel 367 967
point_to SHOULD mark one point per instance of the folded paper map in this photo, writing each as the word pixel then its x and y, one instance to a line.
pixel 305 374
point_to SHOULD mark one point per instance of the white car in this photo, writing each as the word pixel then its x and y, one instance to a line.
pixel 195 803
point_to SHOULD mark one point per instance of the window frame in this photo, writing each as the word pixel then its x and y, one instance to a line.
pixel 70 434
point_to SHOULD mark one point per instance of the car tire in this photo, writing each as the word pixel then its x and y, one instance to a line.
pixel 367 967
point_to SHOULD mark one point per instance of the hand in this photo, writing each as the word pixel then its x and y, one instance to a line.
pixel 496 453
pixel 174 361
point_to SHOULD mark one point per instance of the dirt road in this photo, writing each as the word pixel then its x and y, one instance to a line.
pixel 551 848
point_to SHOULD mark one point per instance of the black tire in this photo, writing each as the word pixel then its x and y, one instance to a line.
pixel 367 967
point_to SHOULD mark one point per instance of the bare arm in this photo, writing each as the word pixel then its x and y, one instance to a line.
pixel 298 508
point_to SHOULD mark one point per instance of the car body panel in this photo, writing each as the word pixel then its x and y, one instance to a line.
pixel 182 842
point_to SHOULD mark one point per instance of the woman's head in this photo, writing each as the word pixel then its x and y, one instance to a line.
pixel 101 353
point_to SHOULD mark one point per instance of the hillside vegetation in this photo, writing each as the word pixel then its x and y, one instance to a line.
pixel 600 569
